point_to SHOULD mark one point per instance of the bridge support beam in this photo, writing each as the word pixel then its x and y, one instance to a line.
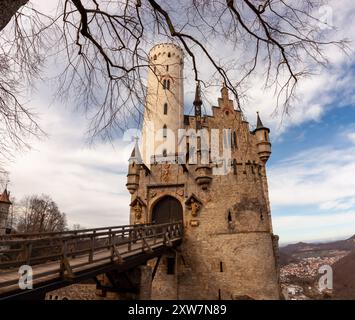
pixel 135 284
pixel 145 283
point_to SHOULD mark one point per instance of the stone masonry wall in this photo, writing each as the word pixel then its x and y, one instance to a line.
pixel 228 251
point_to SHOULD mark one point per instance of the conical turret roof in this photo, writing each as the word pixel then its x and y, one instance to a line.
pixel 259 124
pixel 136 155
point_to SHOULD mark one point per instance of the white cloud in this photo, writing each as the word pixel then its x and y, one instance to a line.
pixel 316 176
pixel 295 228
pixel 312 194
pixel 87 182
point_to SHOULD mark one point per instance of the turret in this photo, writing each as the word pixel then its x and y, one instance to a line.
pixel 262 140
pixel 164 109
pixel 5 204
pixel 133 169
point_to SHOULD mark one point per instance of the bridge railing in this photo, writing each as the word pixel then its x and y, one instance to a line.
pixel 32 235
pixel 76 249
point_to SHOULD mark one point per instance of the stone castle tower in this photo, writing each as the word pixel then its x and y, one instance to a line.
pixel 229 250
pixel 5 204
pixel 165 101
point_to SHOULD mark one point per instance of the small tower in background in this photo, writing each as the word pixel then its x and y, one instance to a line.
pixel 5 204
pixel 263 141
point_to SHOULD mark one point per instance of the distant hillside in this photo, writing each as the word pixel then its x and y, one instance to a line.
pixel 302 248
pixel 285 259
pixel 344 277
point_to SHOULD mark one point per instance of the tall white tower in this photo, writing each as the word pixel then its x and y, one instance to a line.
pixel 5 204
pixel 164 110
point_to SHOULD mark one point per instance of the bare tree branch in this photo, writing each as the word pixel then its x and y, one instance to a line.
pixel 106 45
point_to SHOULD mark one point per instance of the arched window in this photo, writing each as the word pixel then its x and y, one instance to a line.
pixel 155 57
pixel 165 108
pixel 166 84
pixel 169 55
pixel 165 154
pixel 165 131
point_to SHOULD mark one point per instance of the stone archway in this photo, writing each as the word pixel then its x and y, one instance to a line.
pixel 167 209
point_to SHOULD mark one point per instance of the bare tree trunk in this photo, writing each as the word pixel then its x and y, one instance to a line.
pixel 8 8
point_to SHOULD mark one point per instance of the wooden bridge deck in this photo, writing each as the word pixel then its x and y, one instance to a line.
pixel 59 259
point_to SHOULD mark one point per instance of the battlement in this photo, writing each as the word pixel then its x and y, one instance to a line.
pixel 166 50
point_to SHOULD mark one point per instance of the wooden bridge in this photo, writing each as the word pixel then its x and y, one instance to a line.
pixel 59 259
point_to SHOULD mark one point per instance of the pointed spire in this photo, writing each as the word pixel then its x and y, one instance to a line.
pixel 136 155
pixel 224 92
pixel 259 124
pixel 5 196
pixel 197 104
pixel 198 100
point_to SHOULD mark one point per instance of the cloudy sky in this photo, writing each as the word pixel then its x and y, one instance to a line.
pixel 311 171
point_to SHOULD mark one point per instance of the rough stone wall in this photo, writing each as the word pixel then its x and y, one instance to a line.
pixel 228 250
pixel 76 292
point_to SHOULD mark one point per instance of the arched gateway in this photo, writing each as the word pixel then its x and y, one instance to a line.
pixel 167 209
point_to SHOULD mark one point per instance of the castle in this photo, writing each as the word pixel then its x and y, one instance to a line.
pixel 229 250
pixel 5 204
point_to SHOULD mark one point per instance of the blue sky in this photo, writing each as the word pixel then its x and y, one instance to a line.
pixel 311 171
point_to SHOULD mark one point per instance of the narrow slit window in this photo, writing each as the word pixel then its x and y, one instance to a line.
pixel 165 108
pixel 164 84
pixel 165 131
pixel 169 55
pixel 220 266
pixel 229 216
pixel 235 139
pixel 168 84
pixel 167 68
pixel 165 154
